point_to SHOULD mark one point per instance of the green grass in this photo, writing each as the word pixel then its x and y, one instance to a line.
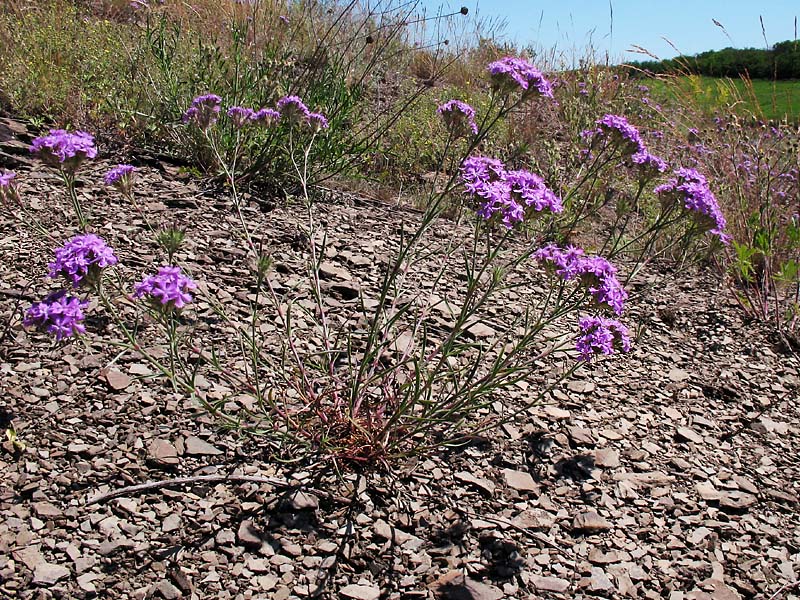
pixel 772 100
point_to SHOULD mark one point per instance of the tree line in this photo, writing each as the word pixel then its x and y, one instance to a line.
pixel 782 61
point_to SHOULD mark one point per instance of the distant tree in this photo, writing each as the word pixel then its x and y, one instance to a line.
pixel 782 61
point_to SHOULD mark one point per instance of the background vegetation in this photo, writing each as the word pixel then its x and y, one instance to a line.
pixel 780 62
pixel 127 71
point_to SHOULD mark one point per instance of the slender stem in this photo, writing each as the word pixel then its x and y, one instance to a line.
pixel 69 181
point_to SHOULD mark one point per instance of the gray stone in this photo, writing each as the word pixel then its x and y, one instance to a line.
pixel 197 447
pixel 590 522
pixel 549 584
pixel 606 457
pixel 520 480
pixel 48 573
pixel 360 592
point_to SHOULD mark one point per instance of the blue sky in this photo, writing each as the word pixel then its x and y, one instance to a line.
pixel 571 24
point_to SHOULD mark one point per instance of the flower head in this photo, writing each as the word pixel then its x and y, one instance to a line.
pixel 689 188
pixel 121 177
pixel 316 121
pixel 240 116
pixel 496 203
pixel 510 73
pixel 58 314
pixel 168 289
pixel 600 279
pixel 204 111
pixel 508 196
pixel 8 188
pixel 601 336
pixel 459 117
pixel 532 192
pixel 64 150
pixel 595 273
pixel 265 117
pixel 477 171
pixel 649 164
pixel 562 261
pixel 292 109
pixel 619 131
pixel 81 259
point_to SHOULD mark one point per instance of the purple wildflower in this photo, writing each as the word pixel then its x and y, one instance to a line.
pixel 477 171
pixel 204 111
pixel 690 188
pixel 81 259
pixel 169 289
pixel 317 121
pixel 64 150
pixel 265 117
pixel 620 131
pixel 459 117
pixel 649 164
pixel 510 73
pixel 601 336
pixel 496 200
pixel 240 115
pixel 8 189
pixel 600 279
pixel 506 195
pixel 532 191
pixel 563 261
pixel 595 273
pixel 292 109
pixel 121 177
pixel 58 314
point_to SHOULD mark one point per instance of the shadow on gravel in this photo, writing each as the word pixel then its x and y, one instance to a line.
pixel 577 468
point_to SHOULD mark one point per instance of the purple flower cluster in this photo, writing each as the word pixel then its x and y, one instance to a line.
pixel 530 190
pixel 58 314
pixel 459 117
pixel 510 73
pixel 316 121
pixel 509 196
pixel 690 188
pixel 649 163
pixel 169 288
pixel 204 111
pixel 595 273
pixel 240 116
pixel 8 188
pixel 63 149
pixel 617 131
pixel 293 109
pixel 81 259
pixel 563 261
pixel 265 117
pixel 5 178
pixel 601 336
pixel 121 177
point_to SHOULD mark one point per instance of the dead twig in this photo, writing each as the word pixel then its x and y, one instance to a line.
pixel 178 481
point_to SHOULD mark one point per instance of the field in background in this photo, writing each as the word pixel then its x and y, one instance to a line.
pixel 767 100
